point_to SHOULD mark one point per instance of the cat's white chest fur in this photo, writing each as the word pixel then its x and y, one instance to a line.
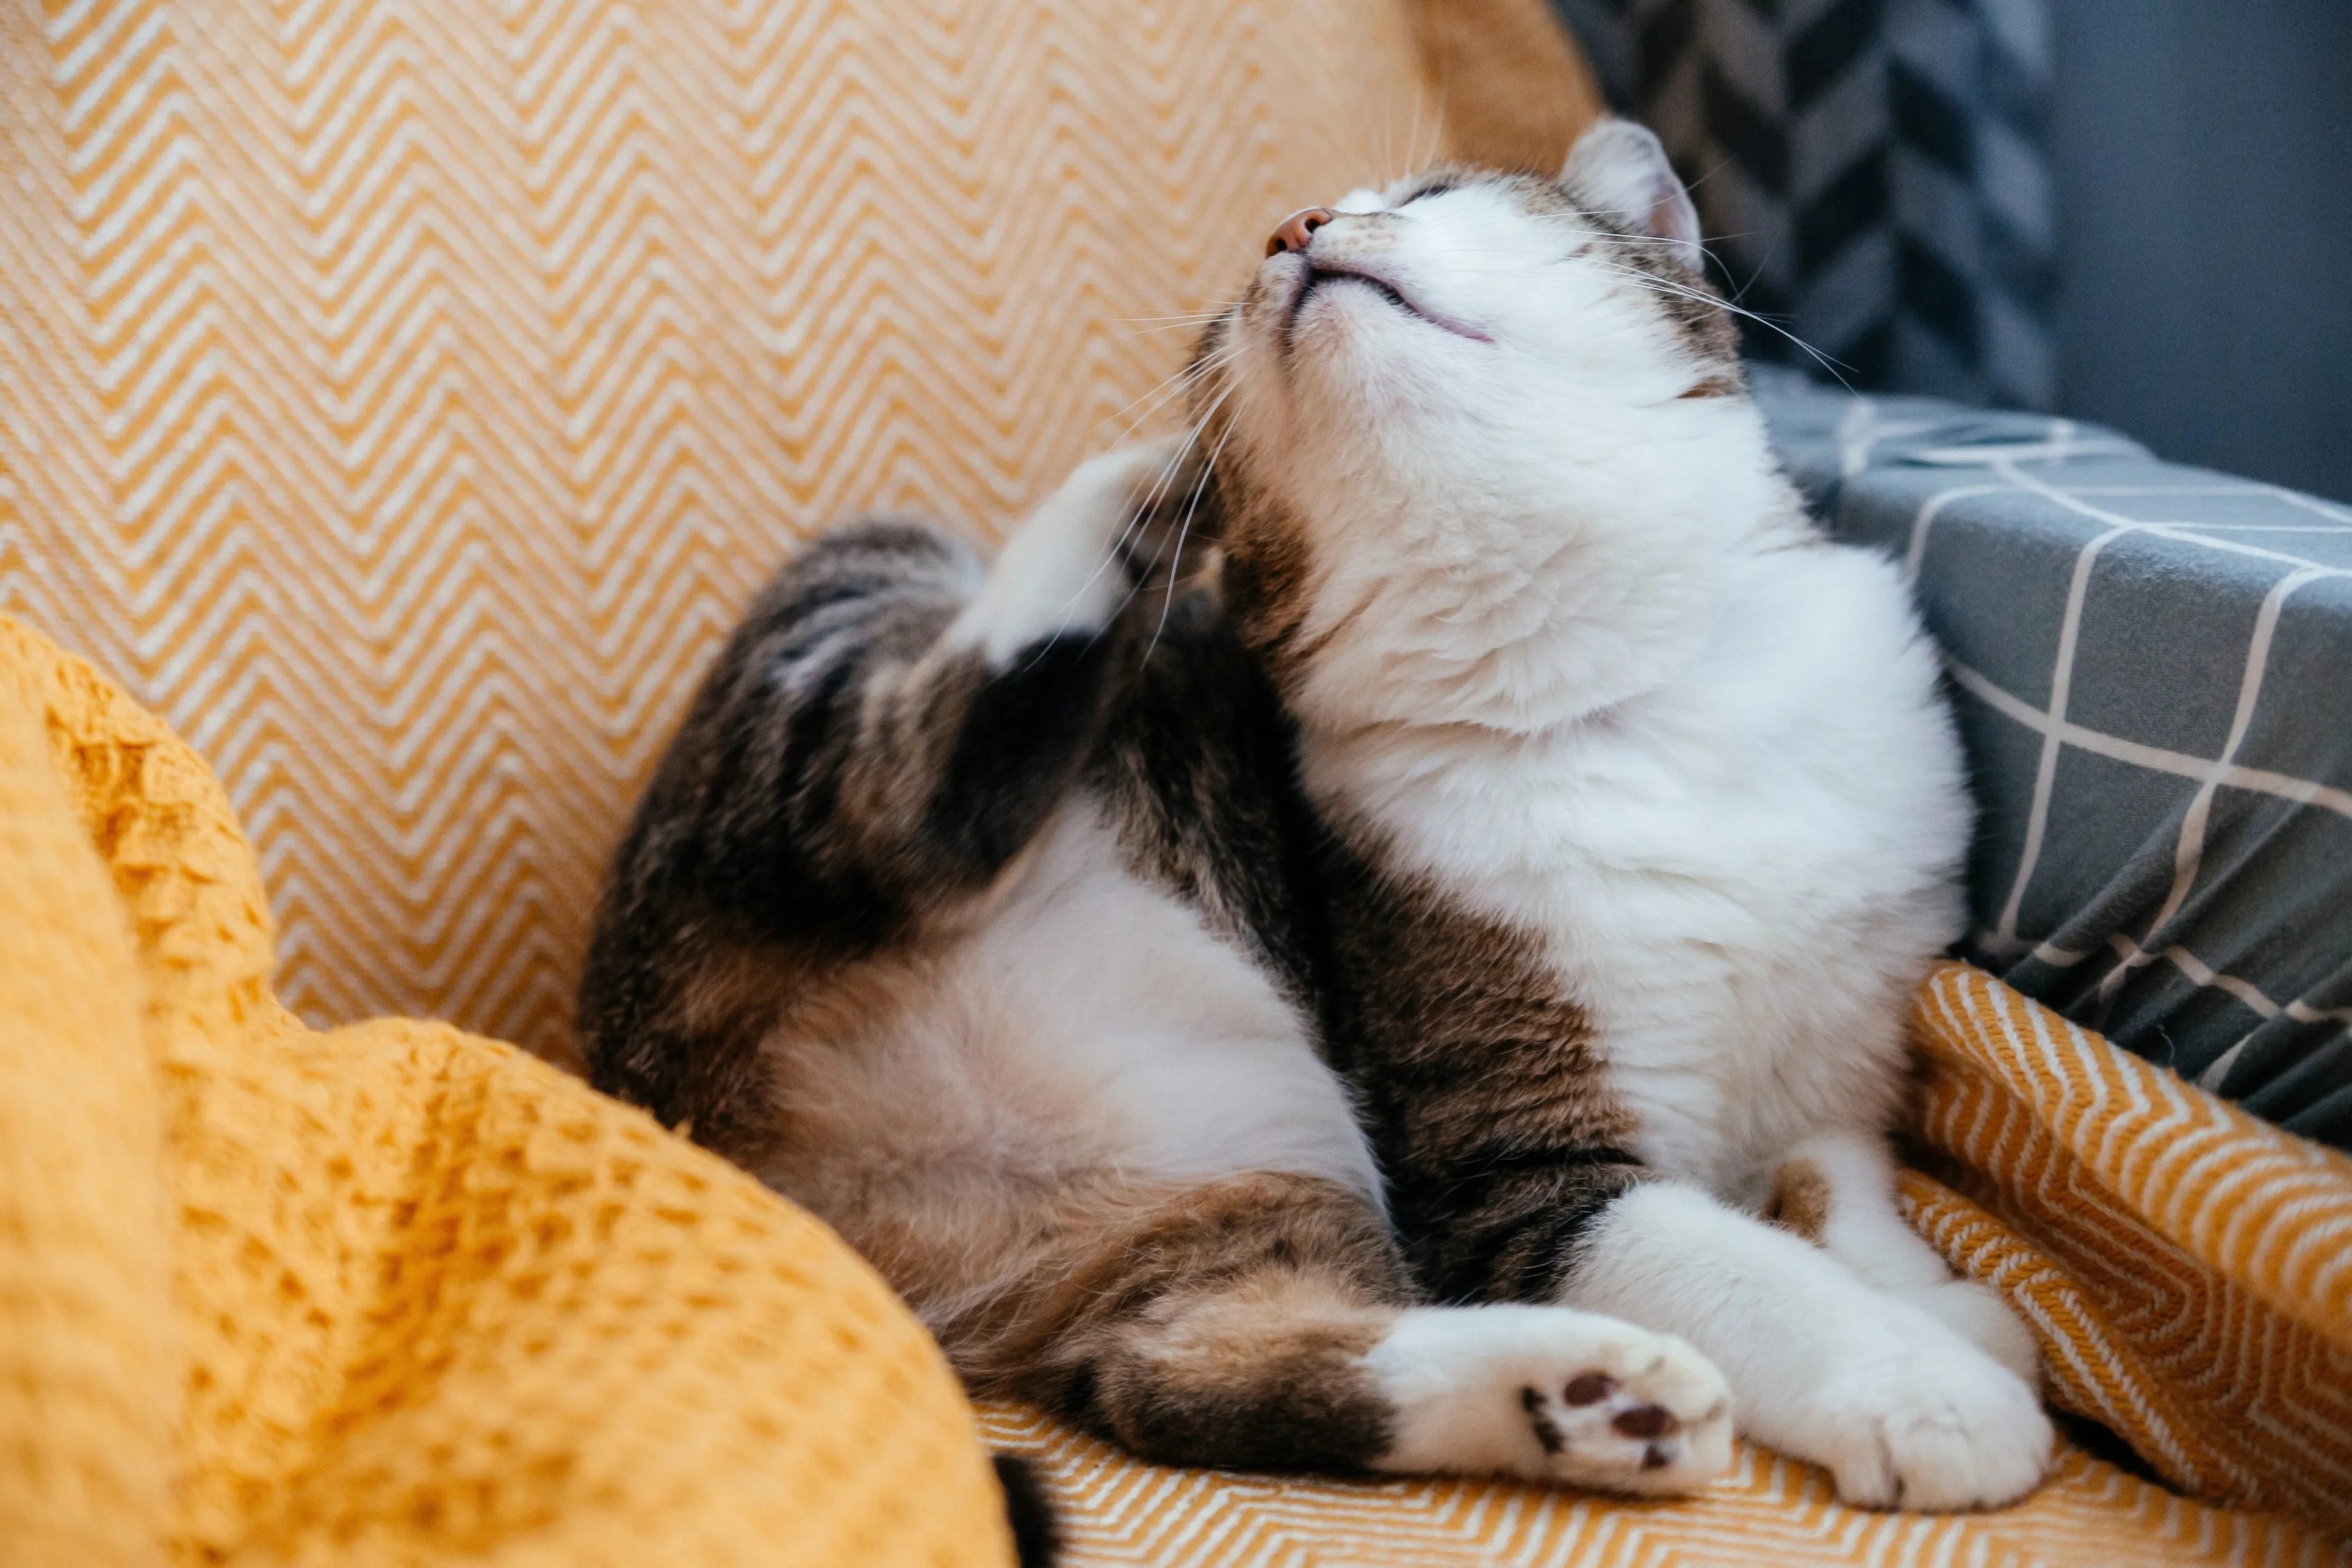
pixel 1734 873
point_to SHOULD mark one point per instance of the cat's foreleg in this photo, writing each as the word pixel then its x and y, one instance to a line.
pixel 1837 1189
pixel 1902 1411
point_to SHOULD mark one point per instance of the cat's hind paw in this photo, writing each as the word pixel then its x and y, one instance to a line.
pixel 1061 573
pixel 1551 1394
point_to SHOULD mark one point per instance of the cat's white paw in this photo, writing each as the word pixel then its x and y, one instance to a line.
pixel 1056 574
pixel 1930 1423
pixel 1552 1394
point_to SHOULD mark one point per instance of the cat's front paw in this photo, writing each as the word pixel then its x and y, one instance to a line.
pixel 1978 1314
pixel 1936 1426
pixel 1552 1394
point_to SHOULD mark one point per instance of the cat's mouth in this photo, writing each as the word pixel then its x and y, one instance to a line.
pixel 1320 274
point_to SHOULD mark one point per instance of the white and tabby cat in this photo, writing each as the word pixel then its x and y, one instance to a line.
pixel 1351 1004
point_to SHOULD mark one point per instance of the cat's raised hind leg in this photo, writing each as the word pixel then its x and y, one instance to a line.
pixel 890 725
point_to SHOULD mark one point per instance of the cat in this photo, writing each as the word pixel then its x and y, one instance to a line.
pixel 1347 997
pixel 1647 813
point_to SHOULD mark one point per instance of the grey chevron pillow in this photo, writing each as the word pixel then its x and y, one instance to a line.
pixel 1873 175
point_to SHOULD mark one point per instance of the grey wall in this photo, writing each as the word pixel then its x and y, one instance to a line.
pixel 2204 157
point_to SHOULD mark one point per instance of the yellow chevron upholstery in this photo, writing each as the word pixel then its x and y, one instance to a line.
pixel 1768 1514
pixel 2188 1268
pixel 403 398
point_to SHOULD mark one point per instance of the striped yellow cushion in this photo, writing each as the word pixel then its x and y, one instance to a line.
pixel 1768 1514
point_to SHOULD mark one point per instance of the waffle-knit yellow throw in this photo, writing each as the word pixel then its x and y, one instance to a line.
pixel 392 1294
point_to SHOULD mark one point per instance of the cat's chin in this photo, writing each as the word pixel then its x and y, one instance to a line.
pixel 1323 277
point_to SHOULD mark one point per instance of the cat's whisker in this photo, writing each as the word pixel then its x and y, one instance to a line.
pixel 1179 382
pixel 1153 395
pixel 1199 486
pixel 1191 379
pixel 1170 327
pixel 1201 319
pixel 1663 287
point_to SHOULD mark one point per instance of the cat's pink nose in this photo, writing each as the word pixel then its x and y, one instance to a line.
pixel 1294 231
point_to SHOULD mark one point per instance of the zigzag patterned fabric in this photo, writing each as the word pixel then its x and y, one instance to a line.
pixel 1768 1513
pixel 1875 175
pixel 403 399
pixel 2186 1269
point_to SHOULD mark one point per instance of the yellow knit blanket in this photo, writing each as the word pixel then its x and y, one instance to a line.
pixel 398 1294
pixel 391 1294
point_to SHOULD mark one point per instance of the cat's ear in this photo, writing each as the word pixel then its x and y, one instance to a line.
pixel 1619 169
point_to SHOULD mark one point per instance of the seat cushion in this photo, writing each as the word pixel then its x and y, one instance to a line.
pixel 2185 1268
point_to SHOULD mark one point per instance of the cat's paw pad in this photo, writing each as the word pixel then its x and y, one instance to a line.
pixel 1664 1425
pixel 1550 1394
pixel 1934 1431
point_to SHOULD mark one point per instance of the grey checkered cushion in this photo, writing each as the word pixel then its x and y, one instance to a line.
pixel 2153 670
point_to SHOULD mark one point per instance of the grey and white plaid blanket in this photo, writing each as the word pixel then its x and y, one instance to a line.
pixel 2153 670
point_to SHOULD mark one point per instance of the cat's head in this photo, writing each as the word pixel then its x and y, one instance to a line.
pixel 1455 424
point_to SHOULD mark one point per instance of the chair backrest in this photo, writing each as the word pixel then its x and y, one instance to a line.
pixel 403 398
